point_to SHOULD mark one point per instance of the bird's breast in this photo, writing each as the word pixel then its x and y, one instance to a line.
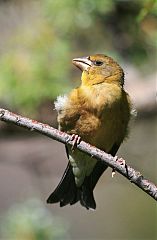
pixel 110 112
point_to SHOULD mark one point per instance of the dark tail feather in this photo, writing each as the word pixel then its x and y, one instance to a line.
pixel 66 190
pixel 68 193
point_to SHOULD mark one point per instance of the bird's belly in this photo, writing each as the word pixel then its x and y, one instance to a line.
pixel 82 165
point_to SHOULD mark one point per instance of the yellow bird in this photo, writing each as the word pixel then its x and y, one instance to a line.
pixel 98 112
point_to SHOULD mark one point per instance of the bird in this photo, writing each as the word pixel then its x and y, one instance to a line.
pixel 97 112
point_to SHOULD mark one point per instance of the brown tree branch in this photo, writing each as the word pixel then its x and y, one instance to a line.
pixel 127 171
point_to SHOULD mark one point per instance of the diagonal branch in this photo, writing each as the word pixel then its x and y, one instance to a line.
pixel 128 172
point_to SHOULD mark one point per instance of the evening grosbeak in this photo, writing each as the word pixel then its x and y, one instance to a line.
pixel 99 112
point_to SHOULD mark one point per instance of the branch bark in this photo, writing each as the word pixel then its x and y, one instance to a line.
pixel 128 172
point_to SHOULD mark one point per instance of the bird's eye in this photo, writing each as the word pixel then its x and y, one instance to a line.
pixel 98 63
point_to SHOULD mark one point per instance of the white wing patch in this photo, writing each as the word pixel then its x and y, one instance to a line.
pixel 60 102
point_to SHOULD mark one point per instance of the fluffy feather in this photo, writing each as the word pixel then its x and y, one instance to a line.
pixel 60 102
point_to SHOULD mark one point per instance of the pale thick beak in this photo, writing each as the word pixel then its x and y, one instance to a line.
pixel 82 63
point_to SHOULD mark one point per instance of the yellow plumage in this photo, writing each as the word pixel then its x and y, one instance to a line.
pixel 98 111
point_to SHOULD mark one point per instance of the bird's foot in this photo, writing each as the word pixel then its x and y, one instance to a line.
pixel 113 172
pixel 121 161
pixel 76 140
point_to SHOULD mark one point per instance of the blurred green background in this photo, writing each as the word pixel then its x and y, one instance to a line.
pixel 38 41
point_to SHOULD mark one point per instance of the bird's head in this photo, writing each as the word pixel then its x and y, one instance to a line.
pixel 97 69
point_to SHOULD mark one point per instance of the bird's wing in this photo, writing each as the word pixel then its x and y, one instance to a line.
pixel 114 149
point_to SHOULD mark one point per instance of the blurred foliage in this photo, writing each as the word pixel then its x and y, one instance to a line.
pixel 35 69
pixel 37 63
pixel 32 221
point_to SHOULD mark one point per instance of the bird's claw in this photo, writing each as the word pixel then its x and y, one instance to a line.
pixel 121 161
pixel 113 172
pixel 76 140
